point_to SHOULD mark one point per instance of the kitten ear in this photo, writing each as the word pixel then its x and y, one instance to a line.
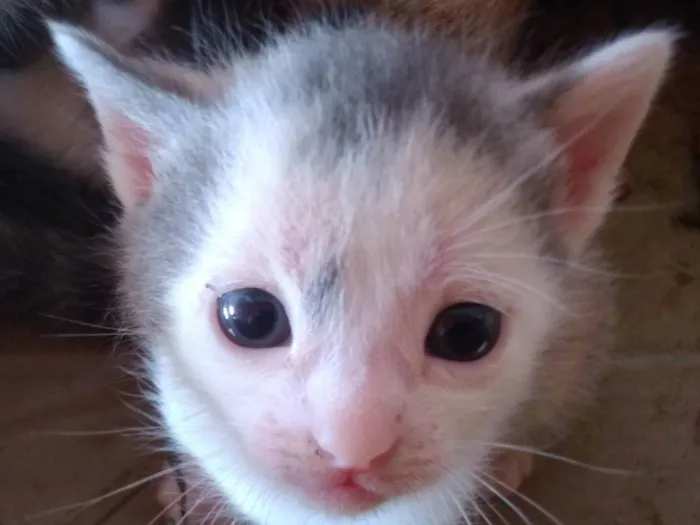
pixel 595 107
pixel 143 107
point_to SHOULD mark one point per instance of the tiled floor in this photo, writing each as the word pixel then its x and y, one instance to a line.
pixel 648 420
pixel 54 394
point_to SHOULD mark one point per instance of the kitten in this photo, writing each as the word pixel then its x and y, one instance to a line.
pixel 363 262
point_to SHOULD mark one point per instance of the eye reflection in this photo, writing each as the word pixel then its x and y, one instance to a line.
pixel 253 318
pixel 464 332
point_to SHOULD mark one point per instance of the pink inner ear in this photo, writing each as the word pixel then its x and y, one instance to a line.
pixel 591 144
pixel 131 142
pixel 584 155
pixel 588 146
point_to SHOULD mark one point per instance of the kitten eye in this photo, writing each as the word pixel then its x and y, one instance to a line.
pixel 464 332
pixel 253 318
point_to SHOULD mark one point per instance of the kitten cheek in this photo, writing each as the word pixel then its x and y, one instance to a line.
pixel 257 441
pixel 269 445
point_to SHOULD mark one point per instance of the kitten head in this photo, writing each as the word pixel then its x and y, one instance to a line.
pixel 356 257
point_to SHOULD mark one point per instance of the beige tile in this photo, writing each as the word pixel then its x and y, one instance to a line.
pixel 648 423
pixel 49 390
pixel 659 310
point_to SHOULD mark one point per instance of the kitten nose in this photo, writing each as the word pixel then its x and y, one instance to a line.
pixel 356 425
pixel 359 452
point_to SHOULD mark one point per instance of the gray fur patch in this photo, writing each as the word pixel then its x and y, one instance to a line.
pixel 358 87
pixel 323 292
pixel 367 78
pixel 163 238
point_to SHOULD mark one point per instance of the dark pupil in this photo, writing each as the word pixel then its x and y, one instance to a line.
pixel 462 334
pixel 254 319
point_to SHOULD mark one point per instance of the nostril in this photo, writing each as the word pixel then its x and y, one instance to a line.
pixel 382 459
pixel 357 466
pixel 323 454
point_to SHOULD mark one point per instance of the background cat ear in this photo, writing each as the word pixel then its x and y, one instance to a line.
pixel 595 106
pixel 144 106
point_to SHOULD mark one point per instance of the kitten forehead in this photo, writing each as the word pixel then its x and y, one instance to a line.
pixel 328 100
pixel 348 85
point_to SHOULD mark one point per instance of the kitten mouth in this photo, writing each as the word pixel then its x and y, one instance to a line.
pixel 344 495
pixel 347 497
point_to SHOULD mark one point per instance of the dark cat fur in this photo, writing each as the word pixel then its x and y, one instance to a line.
pixel 54 238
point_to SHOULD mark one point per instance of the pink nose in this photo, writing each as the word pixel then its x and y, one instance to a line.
pixel 358 460
pixel 358 426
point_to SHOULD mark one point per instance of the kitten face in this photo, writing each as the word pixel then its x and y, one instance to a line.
pixel 363 180
pixel 355 378
pixel 374 196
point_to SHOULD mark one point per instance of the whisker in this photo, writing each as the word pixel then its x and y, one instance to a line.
pixel 183 519
pixel 76 336
pixel 493 509
pixel 220 512
pixel 502 197
pixel 482 514
pixel 106 496
pixel 414 483
pixel 560 262
pixel 96 433
pixel 468 488
pixel 149 417
pixel 563 211
pixel 460 506
pixel 79 323
pixel 474 273
pixel 484 275
pixel 684 360
pixel 167 508
pixel 449 510
pixel 500 496
pixel 562 459
pixel 218 507
pixel 526 499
